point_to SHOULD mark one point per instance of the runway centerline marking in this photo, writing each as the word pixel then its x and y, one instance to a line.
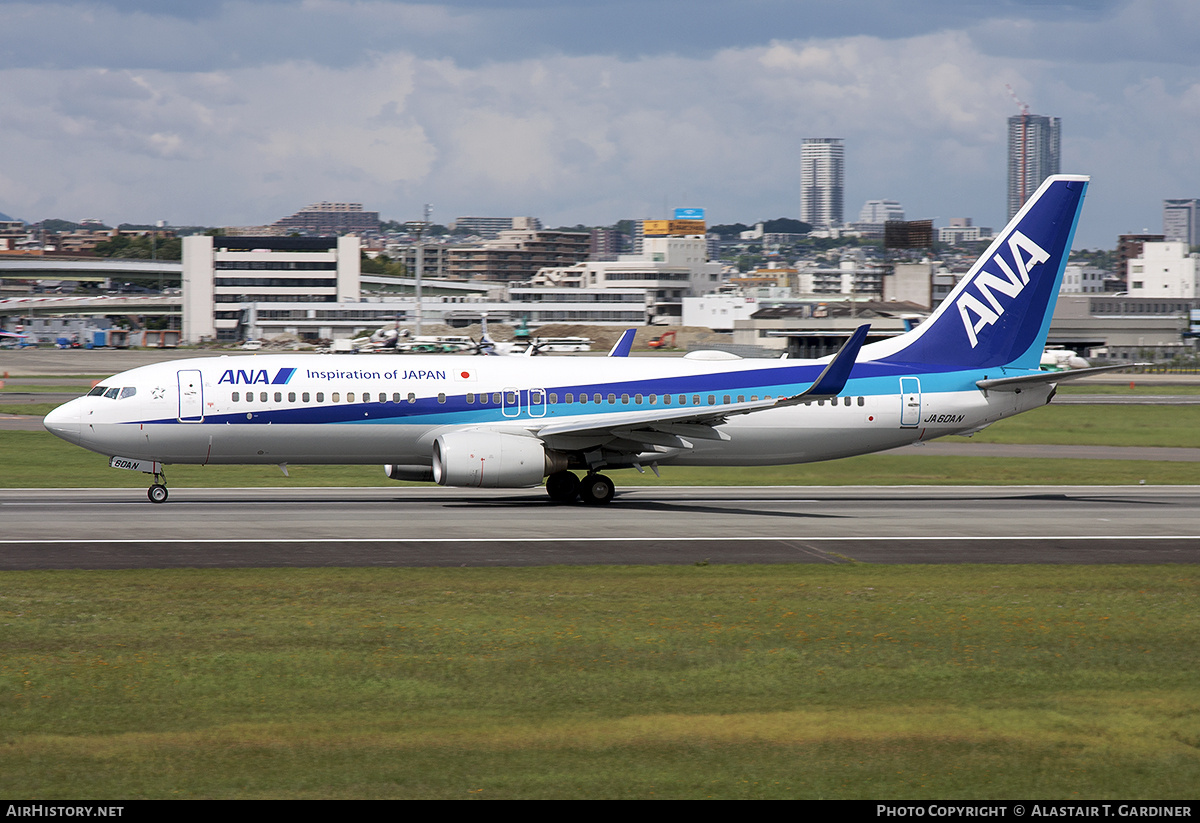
pixel 641 539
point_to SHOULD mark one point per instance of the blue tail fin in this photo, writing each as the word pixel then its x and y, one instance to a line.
pixel 999 314
pixel 623 345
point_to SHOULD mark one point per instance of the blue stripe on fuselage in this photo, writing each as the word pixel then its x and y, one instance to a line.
pixel 869 379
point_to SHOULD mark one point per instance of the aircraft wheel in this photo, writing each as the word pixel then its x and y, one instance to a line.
pixel 157 493
pixel 563 487
pixel 596 490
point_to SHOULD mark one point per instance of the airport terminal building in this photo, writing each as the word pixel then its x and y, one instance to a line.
pixel 223 277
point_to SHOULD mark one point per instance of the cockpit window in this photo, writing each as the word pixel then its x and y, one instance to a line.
pixel 113 392
pixel 97 391
pixel 128 391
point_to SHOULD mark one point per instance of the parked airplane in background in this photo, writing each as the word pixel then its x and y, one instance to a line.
pixel 14 337
pixel 1059 359
pixel 509 422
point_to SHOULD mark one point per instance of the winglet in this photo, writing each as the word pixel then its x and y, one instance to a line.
pixel 623 345
pixel 833 379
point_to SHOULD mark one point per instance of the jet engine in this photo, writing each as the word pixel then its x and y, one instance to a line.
pixel 493 460
pixel 398 471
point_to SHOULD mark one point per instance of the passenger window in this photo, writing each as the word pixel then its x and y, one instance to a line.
pixel 553 398
pixel 128 391
pixel 753 398
pixel 583 398
pixel 262 397
pixel 667 399
pixel 335 396
pixel 653 399
pixel 741 398
pixel 291 397
pixel 249 397
pixel 612 399
pixel 395 397
pixel 624 398
pixel 496 398
pixel 412 398
pixel 637 398
pixel 712 401
pixel 846 402
pixel 535 397
pixel 441 397
pixel 597 398
pixel 509 397
pixel 320 397
pixel 726 400
pixel 862 401
pixel 278 397
pixel 305 397
pixel 695 400
pixel 236 396
pixel 470 398
pixel 349 397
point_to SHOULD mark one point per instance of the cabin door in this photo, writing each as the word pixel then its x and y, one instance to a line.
pixel 910 402
pixel 191 395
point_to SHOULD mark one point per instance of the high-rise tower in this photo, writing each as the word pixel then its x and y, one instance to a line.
pixel 1181 221
pixel 822 181
pixel 1033 155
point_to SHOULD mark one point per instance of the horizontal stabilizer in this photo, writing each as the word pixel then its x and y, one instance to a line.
pixel 1026 380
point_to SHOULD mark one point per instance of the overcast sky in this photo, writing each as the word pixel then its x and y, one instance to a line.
pixel 239 112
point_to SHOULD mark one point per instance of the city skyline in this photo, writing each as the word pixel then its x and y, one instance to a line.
pixel 240 111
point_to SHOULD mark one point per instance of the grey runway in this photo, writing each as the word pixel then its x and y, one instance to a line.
pixel 646 525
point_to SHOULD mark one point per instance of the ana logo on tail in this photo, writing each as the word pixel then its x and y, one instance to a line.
pixel 1011 284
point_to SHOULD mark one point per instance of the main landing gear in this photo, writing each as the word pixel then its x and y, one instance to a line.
pixel 158 492
pixel 566 487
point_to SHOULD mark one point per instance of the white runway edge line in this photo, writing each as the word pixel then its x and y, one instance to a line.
pixel 400 540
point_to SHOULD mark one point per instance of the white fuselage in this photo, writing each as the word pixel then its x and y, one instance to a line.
pixel 390 409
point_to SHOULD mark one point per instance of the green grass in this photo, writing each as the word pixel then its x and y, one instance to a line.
pixel 1177 426
pixel 1123 389
pixel 45 461
pixel 28 408
pixel 11 387
pixel 708 681
pixel 40 460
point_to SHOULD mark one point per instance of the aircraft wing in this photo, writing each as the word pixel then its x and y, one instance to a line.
pixel 670 427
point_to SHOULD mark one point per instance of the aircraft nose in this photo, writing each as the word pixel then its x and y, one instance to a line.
pixel 64 421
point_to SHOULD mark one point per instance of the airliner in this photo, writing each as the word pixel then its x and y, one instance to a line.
pixel 516 422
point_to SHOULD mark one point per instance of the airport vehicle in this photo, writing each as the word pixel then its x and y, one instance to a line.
pixel 509 422
pixel 663 341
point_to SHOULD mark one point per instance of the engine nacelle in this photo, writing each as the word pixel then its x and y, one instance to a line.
pixel 492 460
pixel 398 471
